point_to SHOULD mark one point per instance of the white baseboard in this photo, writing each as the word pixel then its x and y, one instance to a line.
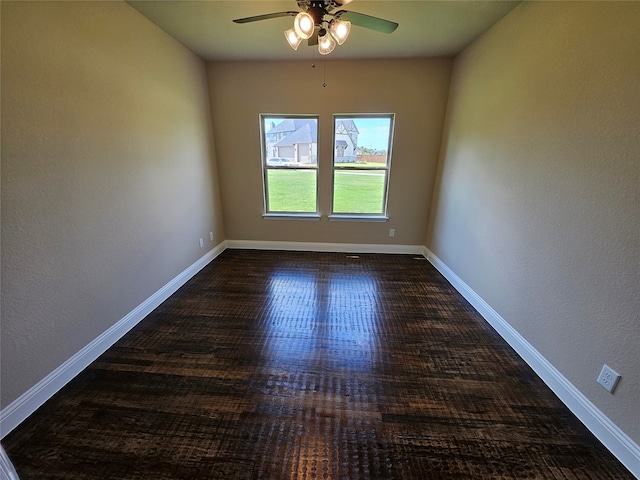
pixel 326 247
pixel 27 403
pixel 7 472
pixel 611 436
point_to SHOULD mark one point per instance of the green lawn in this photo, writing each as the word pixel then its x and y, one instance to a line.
pixel 358 192
pixel 292 190
pixel 355 192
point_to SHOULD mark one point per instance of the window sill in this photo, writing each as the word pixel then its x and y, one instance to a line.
pixel 291 216
pixel 358 218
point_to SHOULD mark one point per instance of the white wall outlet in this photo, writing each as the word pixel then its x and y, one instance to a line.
pixel 608 378
pixel 211 236
pixel 201 243
pixel 392 232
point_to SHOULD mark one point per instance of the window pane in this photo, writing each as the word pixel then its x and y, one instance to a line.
pixel 362 141
pixel 358 191
pixel 291 190
pixel 291 141
pixel 290 161
pixel 361 162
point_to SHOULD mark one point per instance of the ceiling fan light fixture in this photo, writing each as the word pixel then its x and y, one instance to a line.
pixel 316 22
pixel 304 25
pixel 293 39
pixel 326 43
pixel 339 29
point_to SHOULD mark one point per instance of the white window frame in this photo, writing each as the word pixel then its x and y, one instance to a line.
pixel 267 167
pixel 344 167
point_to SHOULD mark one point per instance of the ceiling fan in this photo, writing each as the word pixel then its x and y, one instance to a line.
pixel 320 25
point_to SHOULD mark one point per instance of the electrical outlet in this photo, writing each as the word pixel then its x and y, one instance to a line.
pixel 211 236
pixel 392 232
pixel 608 378
pixel 201 243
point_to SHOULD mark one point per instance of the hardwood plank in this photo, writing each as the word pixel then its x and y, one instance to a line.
pixel 299 365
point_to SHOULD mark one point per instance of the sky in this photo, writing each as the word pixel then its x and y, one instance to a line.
pixel 374 132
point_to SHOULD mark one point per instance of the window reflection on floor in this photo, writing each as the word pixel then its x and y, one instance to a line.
pixel 329 320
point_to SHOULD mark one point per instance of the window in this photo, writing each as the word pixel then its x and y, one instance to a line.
pixel 361 162
pixel 290 164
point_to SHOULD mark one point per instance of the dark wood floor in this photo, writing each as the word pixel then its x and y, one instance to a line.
pixel 291 365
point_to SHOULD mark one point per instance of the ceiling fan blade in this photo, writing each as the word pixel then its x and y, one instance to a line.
pixel 367 21
pixel 338 3
pixel 265 17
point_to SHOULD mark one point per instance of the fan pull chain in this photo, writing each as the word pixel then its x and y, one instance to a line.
pixel 324 69
pixel 324 74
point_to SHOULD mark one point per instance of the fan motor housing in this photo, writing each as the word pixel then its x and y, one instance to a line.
pixel 317 10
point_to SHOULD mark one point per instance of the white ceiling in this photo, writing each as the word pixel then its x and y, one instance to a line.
pixel 427 28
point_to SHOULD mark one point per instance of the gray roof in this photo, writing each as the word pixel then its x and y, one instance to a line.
pixel 291 125
pixel 341 143
pixel 304 134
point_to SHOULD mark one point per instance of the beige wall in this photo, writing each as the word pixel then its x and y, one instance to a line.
pixel 537 203
pixel 107 174
pixel 415 90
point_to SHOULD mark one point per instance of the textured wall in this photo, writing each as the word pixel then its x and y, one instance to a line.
pixel 108 175
pixel 415 90
pixel 537 193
